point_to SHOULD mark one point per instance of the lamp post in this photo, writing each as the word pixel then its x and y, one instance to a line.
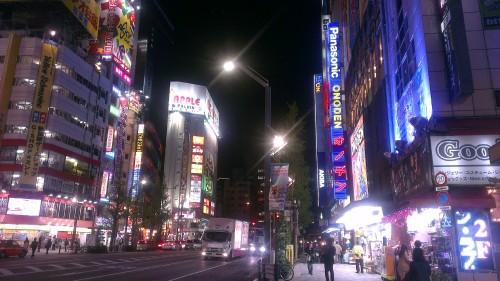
pixel 229 66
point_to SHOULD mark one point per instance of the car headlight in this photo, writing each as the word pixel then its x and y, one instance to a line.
pixel 252 248
pixel 262 249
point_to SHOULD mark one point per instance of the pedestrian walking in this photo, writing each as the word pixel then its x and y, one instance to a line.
pixel 34 246
pixel 328 255
pixel 309 259
pixel 358 256
pixel 48 244
pixel 40 243
pixel 66 243
pixel 403 262
pixel 54 243
pixel 420 270
pixel 338 251
pixel 26 243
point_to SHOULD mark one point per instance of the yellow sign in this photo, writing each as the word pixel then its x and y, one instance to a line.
pixel 7 77
pixel 87 12
pixel 39 116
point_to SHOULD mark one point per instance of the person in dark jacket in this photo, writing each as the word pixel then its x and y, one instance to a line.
pixel 34 246
pixel 328 255
pixel 420 270
pixel 48 244
pixel 309 257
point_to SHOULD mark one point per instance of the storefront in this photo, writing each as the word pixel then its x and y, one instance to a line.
pixel 363 225
pixel 456 238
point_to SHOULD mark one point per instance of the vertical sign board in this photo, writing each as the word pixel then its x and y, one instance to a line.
pixel 39 115
pixel 458 67
pixel 358 157
pixel 474 240
pixel 279 184
pixel 197 162
pixel 335 113
pixel 9 69
pixel 138 160
pixel 321 191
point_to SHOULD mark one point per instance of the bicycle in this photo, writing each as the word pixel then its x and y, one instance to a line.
pixel 285 271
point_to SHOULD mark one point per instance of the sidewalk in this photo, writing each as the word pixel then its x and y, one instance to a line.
pixel 342 272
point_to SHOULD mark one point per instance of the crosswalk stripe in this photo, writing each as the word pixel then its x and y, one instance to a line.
pixel 6 272
pixel 57 266
pixel 110 261
pixel 35 269
pixel 96 263
pixel 78 264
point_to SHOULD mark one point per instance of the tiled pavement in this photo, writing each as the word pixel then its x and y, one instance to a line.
pixel 342 272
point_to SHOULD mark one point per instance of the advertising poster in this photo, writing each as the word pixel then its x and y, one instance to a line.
pixel 116 33
pixel 195 192
pixel 279 185
pixel 185 97
pixel 87 12
pixel 358 156
pixel 39 115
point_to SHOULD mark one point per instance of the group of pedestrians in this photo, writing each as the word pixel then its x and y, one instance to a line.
pixel 327 255
pixel 49 244
pixel 418 269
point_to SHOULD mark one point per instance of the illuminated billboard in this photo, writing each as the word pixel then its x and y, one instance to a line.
pixel 138 159
pixel 24 207
pixel 358 157
pixel 186 97
pixel 87 12
pixel 474 240
pixel 116 33
pixel 109 139
pixel 133 102
pixel 335 112
pixel 194 99
pixel 195 192
pixel 106 176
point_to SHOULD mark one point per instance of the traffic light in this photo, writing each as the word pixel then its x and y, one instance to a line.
pixel 253 223
pixel 277 215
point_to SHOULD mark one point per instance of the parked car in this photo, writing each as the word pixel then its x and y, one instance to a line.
pixel 9 248
pixel 196 244
pixel 159 245
pixel 188 245
pixel 172 245
pixel 142 245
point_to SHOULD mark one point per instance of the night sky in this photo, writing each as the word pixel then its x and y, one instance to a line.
pixel 281 40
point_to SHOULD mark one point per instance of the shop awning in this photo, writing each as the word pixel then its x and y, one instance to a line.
pixel 459 198
pixel 363 213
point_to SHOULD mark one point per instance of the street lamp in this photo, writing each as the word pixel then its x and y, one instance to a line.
pixel 229 66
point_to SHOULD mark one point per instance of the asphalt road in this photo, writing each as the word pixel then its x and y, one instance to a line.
pixel 158 265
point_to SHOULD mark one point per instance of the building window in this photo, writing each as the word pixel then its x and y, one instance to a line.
pixel 497 97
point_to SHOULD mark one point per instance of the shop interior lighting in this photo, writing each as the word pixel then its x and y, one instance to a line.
pixel 361 216
pixel 19 151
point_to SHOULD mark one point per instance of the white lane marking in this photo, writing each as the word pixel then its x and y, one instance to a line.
pixel 78 264
pixel 180 277
pixel 123 272
pixel 35 269
pixel 110 261
pixel 57 266
pixel 6 272
pixel 96 263
pixel 75 273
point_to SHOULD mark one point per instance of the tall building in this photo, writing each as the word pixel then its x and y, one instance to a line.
pixel 67 132
pixel 417 80
pixel 53 120
pixel 190 172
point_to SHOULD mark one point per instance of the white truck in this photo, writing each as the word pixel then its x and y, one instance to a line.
pixel 224 238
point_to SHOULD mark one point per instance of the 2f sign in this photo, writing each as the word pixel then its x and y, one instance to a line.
pixel 440 179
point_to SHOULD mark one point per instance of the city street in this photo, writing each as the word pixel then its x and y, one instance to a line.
pixel 157 265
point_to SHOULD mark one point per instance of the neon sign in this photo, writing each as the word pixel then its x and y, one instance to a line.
pixel 122 74
pixel 474 246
